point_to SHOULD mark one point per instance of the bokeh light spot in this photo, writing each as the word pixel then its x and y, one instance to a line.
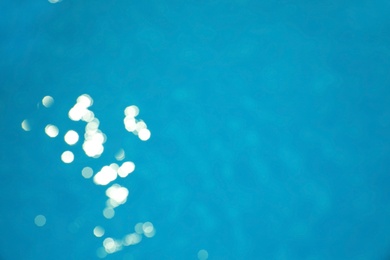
pixel 111 245
pixel 51 130
pixel 144 134
pixel 132 239
pixel 131 111
pixel 117 194
pixel 47 101
pixel 130 123
pixel 148 229
pixel 67 157
pixel 105 176
pixel 126 168
pixel 120 155
pixel 203 254
pixel 71 137
pixel 87 172
pixel 85 100
pixel 40 220
pixel 109 213
pixel 98 231
pixel 26 125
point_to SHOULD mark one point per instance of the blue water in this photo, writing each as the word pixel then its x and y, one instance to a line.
pixel 270 127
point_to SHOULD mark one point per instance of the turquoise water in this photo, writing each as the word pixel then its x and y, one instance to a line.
pixel 269 128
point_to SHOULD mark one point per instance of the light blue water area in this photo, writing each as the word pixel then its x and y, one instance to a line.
pixel 270 127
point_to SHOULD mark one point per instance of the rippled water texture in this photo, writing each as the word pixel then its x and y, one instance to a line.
pixel 194 130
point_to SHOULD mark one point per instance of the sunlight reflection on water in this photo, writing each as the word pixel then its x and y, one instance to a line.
pixel 93 146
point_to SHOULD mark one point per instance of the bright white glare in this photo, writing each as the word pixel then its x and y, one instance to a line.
pixel 130 123
pixel 120 155
pixel 85 100
pixel 47 101
pixel 131 111
pixel 40 220
pixel 203 254
pixel 93 148
pixel 54 1
pixel 98 231
pixel 26 125
pixel 77 112
pixel 80 110
pixel 67 157
pixel 108 213
pixel 51 130
pixel 94 139
pixel 144 134
pixel 87 172
pixel 118 194
pixel 126 168
pixel 97 137
pixel 105 176
pixel 71 137
pixel 132 239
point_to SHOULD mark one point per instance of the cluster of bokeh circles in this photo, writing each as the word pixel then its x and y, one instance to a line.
pixel 93 146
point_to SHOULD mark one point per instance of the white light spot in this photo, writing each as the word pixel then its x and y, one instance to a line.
pixel 105 176
pixel 117 194
pixel 47 101
pixel 98 231
pixel 87 172
pixel 93 148
pixel 144 134
pixel 108 213
pixel 40 220
pixel 77 112
pixel 85 100
pixel 26 125
pixel 54 1
pixel 67 157
pixel 51 130
pixel 126 169
pixel 130 123
pixel 131 111
pixel 71 137
pixel 203 254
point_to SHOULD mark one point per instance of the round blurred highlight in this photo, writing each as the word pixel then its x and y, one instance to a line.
pixel 47 101
pixel 67 157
